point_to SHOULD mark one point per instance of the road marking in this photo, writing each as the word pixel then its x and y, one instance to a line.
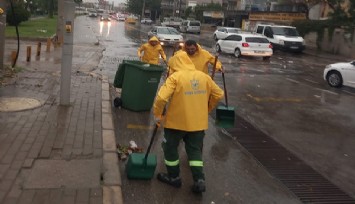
pixel 141 127
pixel 348 92
pixel 272 99
pixel 327 91
pixel 292 80
pixel 314 82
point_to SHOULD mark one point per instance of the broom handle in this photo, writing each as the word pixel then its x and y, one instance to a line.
pixel 152 139
pixel 151 142
pixel 225 89
pixel 214 66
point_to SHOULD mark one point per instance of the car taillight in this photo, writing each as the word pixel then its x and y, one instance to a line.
pixel 245 44
pixel 270 46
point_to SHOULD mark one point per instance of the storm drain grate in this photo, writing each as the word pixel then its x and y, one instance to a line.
pixel 308 185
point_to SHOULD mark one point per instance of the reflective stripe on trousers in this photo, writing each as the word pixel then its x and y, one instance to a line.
pixel 171 163
pixel 196 163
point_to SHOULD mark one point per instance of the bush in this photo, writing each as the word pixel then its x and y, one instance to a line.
pixel 21 14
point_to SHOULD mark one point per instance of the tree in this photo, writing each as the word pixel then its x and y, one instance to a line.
pixel 21 14
pixel 79 2
pixel 135 6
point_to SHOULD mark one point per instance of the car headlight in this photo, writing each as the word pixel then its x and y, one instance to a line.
pixel 282 42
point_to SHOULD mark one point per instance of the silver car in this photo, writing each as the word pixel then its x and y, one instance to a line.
pixel 167 36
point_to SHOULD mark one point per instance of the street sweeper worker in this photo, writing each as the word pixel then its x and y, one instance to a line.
pixel 200 57
pixel 191 95
pixel 172 63
pixel 151 51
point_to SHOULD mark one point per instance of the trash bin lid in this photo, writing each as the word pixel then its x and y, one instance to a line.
pixel 144 66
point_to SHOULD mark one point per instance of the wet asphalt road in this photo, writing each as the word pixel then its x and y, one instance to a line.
pixel 286 98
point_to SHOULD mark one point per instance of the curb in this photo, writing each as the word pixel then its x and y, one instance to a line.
pixel 112 193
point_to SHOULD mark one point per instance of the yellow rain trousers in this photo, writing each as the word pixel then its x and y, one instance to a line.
pixel 192 95
pixel 202 58
pixel 151 53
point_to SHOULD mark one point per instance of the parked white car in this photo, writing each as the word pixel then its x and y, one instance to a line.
pixel 223 32
pixel 340 74
pixel 167 35
pixel 245 44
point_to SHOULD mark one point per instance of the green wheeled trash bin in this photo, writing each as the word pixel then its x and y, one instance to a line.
pixel 139 82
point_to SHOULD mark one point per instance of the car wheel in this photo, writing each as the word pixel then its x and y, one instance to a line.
pixel 215 37
pixel 266 58
pixel 117 102
pixel 334 79
pixel 237 53
pixel 218 48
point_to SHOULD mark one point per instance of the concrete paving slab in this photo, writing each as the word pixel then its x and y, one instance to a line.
pixel 59 173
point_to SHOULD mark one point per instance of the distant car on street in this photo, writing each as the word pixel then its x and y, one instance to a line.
pixel 121 18
pixel 223 32
pixel 167 36
pixel 92 14
pixel 340 74
pixel 245 44
pixel 146 21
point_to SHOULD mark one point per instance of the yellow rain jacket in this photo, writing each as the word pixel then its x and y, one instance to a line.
pixel 173 64
pixel 192 95
pixel 202 58
pixel 151 53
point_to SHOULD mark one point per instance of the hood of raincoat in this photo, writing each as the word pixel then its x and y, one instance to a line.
pixel 180 61
pixel 153 39
pixel 202 58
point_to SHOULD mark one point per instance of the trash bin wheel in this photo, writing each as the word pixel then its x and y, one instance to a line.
pixel 117 102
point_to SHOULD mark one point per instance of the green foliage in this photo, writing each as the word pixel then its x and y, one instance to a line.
pixel 21 14
pixel 34 28
pixel 135 6
pixel 188 12
pixel 338 19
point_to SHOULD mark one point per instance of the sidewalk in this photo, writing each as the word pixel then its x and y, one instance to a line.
pixel 54 153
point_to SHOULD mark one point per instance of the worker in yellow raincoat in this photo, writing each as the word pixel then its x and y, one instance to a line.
pixel 200 57
pixel 151 51
pixel 191 94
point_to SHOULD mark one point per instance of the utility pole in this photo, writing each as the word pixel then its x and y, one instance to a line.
pixel 67 51
pixel 143 10
pixel 2 31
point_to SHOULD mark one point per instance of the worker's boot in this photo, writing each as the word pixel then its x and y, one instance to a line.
pixel 163 177
pixel 199 186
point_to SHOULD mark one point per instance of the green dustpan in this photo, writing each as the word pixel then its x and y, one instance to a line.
pixel 225 115
pixel 140 165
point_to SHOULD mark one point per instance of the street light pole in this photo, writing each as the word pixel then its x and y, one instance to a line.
pixel 67 52
pixel 143 9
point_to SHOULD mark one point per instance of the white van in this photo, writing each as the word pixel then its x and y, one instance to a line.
pixel 282 37
pixel 190 26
